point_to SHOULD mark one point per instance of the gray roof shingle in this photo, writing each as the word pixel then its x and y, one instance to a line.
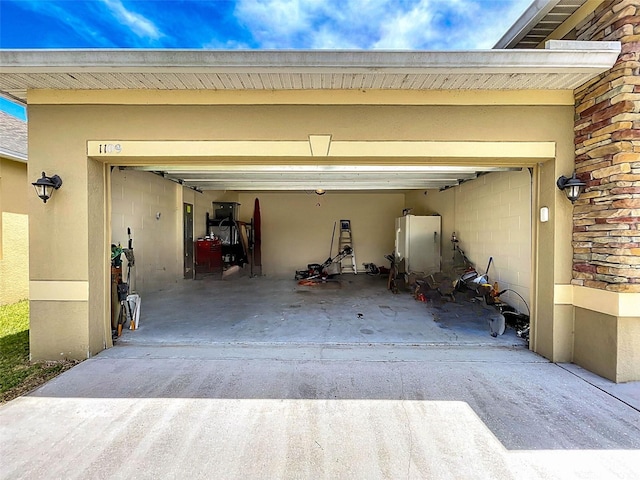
pixel 13 137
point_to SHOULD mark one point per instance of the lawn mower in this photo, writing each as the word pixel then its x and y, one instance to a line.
pixel 324 270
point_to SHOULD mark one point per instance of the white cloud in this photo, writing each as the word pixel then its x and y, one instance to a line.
pixel 407 29
pixel 140 25
pixel 274 22
pixel 378 24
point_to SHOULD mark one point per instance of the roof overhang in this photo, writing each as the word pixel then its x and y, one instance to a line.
pixel 11 155
pixel 560 66
pixel 539 21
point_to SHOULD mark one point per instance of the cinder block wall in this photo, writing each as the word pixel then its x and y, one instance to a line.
pixel 136 200
pixel 491 216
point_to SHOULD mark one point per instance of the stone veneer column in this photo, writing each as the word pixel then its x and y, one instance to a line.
pixel 606 218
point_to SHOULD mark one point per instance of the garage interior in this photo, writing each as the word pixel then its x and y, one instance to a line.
pixel 486 208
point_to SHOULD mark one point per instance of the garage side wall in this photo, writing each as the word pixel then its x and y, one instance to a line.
pixel 491 216
pixel 152 207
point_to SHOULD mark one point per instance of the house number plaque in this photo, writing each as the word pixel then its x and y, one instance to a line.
pixel 110 148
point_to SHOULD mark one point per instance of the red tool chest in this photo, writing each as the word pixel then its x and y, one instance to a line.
pixel 208 256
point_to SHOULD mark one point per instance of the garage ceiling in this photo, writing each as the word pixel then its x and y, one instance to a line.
pixel 326 177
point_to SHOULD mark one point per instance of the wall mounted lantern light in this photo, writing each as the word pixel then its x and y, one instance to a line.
pixel 571 186
pixel 320 191
pixel 46 185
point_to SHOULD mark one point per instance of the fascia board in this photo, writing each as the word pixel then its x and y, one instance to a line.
pixel 11 155
pixel 582 57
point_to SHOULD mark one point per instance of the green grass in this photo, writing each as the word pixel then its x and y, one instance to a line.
pixel 17 374
pixel 14 318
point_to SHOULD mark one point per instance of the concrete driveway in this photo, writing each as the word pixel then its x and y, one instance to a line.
pixel 304 411
pixel 263 379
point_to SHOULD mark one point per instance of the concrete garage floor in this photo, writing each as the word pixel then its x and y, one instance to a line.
pixel 352 310
pixel 203 407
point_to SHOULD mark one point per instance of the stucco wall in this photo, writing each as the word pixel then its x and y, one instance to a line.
pixel 296 122
pixel 491 216
pixel 628 354
pixel 596 342
pixel 58 144
pixel 14 264
pixel 14 232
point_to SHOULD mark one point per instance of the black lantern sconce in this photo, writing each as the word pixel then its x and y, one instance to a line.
pixel 572 187
pixel 46 185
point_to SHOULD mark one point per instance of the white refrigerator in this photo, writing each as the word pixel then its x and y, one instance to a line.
pixel 418 243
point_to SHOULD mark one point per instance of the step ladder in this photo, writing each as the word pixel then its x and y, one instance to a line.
pixel 345 239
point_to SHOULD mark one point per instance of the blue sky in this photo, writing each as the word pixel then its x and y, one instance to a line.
pixel 257 24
